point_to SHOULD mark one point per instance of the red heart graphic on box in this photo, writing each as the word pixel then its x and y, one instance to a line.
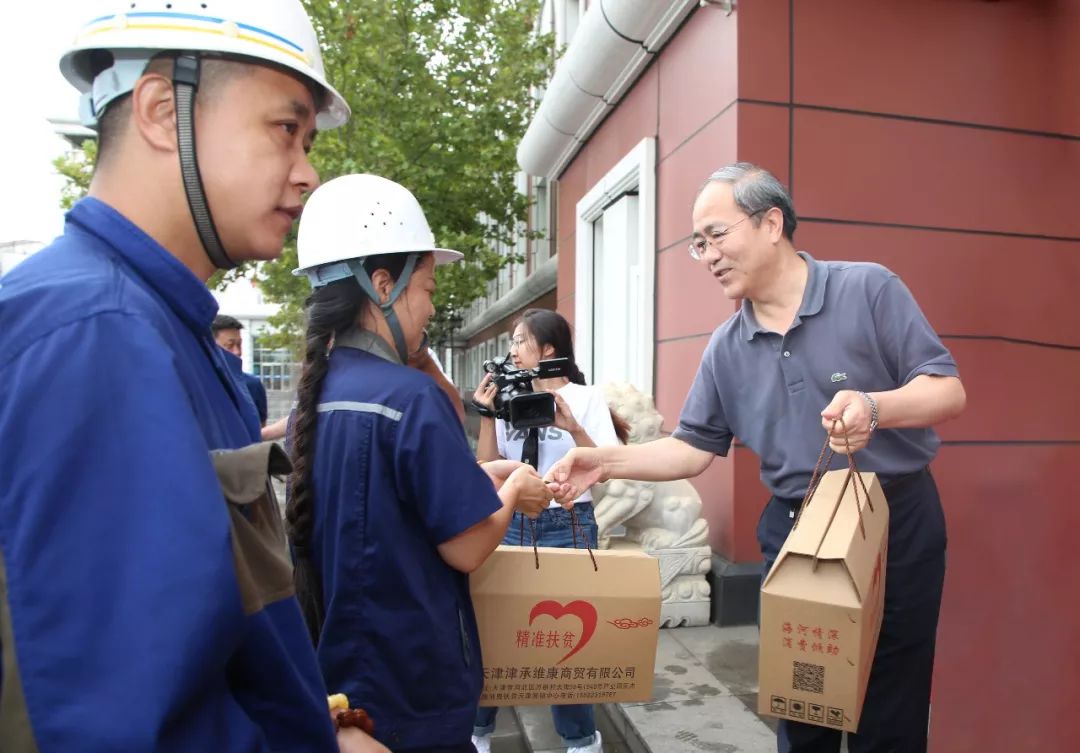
pixel 583 610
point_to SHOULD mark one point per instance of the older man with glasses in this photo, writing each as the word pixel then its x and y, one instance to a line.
pixel 813 342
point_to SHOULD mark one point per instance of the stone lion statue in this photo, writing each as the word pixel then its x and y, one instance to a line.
pixel 656 515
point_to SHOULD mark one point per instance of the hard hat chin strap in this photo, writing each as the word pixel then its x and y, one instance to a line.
pixel 119 80
pixel 185 85
pixel 364 279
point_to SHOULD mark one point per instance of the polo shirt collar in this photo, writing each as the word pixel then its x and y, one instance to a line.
pixel 814 295
pixel 813 299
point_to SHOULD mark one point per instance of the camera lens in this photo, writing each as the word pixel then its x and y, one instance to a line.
pixel 531 410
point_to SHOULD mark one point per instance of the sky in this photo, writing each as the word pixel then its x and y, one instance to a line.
pixel 32 38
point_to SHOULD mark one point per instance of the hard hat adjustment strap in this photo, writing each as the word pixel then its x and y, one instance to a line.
pixel 112 83
pixel 364 279
pixel 185 84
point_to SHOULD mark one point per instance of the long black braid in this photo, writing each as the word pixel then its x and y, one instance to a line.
pixel 331 310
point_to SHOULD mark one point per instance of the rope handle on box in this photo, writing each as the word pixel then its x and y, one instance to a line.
pixel 824 459
pixel 575 528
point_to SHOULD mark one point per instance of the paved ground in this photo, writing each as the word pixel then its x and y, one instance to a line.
pixel 704 701
pixel 528 729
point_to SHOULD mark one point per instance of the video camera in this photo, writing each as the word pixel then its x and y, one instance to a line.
pixel 515 401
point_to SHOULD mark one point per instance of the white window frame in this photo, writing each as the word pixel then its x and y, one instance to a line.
pixel 637 170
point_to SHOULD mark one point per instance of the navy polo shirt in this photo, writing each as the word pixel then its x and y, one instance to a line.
pixel 119 586
pixel 393 478
pixel 251 384
pixel 858 328
pixel 257 391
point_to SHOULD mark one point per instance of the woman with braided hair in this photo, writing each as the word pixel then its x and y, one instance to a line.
pixel 388 510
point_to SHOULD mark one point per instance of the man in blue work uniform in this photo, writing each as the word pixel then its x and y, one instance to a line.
pixel 813 342
pixel 123 621
pixel 226 331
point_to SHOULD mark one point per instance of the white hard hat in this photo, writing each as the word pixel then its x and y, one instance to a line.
pixel 274 31
pixel 356 216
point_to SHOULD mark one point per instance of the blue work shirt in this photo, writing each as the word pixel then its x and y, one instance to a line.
pixel 858 328
pixel 120 609
pixel 393 478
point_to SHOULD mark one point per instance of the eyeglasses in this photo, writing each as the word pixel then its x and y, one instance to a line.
pixel 698 246
pixel 517 342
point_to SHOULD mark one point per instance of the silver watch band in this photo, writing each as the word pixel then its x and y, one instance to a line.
pixel 873 409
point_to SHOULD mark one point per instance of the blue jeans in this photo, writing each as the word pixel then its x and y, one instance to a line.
pixel 575 723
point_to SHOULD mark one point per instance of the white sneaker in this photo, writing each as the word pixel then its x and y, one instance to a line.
pixel 482 743
pixel 596 746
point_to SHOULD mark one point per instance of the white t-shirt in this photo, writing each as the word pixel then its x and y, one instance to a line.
pixel 591 411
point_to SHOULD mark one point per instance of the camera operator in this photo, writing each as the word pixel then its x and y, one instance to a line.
pixel 582 419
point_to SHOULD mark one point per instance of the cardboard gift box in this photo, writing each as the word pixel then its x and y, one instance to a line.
pixel 821 605
pixel 567 631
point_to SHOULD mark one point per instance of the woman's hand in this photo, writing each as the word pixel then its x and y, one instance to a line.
pixel 564 419
pixel 499 470
pixel 485 393
pixel 530 493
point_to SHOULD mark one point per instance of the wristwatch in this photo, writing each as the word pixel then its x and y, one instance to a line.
pixel 873 409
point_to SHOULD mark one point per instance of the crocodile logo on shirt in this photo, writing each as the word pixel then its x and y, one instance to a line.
pixel 838 376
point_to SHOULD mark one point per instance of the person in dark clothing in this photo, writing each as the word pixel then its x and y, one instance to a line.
pixel 816 346
pixel 134 615
pixel 226 330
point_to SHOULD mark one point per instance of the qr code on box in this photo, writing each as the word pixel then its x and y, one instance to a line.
pixel 809 678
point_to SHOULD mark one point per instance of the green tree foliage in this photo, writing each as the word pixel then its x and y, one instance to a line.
pixel 441 94
pixel 77 167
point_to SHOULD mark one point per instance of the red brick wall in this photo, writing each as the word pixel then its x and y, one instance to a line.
pixel 937 138
pixel 942 139
pixel 694 132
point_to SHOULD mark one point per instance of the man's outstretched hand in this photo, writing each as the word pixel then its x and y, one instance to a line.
pixel 576 473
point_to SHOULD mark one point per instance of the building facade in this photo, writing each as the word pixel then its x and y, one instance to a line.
pixel 939 139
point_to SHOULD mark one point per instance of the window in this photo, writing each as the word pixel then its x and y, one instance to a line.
pixel 617 339
pixel 566 21
pixel 504 278
pixel 615 272
pixel 457 369
pixel 474 362
pixel 471 377
pixel 274 367
pixel 540 222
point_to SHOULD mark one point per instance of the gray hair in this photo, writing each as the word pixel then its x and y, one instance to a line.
pixel 756 190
